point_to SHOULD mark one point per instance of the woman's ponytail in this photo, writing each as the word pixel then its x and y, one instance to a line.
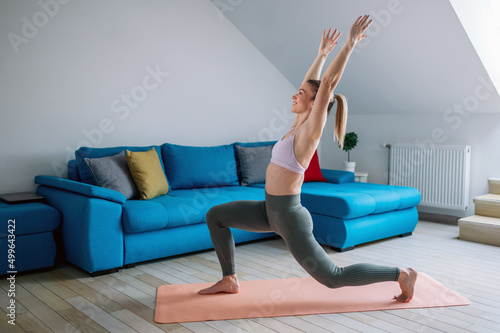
pixel 340 118
pixel 340 114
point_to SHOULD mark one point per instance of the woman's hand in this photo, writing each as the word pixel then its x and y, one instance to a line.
pixel 328 42
pixel 358 28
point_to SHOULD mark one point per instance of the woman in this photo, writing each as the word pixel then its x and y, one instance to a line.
pixel 282 212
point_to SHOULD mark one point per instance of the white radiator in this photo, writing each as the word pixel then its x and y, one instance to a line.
pixel 440 172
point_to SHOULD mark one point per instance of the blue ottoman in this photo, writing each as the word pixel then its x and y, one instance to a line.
pixel 349 214
pixel 27 230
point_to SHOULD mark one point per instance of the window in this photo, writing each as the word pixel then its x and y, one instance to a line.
pixel 480 20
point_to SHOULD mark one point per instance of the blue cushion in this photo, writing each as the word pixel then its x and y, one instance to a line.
pixel 407 197
pixel 197 167
pixel 33 251
pixel 166 211
pixel 385 198
pixel 31 218
pixel 334 200
pixel 73 171
pixel 88 152
pixel 143 215
pixel 351 200
pixel 192 205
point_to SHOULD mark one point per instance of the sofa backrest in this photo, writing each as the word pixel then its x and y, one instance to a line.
pixel 184 166
pixel 198 167
pixel 73 171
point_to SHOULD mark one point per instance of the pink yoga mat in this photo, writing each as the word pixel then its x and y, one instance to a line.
pixel 293 297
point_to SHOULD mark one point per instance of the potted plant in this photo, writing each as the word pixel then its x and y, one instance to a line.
pixel 350 141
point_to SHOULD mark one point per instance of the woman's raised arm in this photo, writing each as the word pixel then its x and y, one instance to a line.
pixel 327 44
pixel 318 116
pixel 334 72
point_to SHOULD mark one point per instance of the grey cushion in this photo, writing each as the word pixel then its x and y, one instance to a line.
pixel 112 172
pixel 253 163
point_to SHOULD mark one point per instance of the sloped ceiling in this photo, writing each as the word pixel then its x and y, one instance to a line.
pixel 417 57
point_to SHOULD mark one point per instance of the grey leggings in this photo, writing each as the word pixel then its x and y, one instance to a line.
pixel 288 218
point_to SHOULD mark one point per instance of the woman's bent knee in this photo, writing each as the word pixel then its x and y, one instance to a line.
pixel 213 215
pixel 216 216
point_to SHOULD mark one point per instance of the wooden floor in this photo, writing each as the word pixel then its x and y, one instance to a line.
pixel 67 299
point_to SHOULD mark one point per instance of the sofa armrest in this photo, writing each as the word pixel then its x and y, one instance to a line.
pixel 81 188
pixel 338 176
pixel 92 230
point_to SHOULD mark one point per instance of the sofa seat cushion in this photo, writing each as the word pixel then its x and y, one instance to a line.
pixel 202 199
pixel 409 197
pixel 30 218
pixel 165 211
pixel 181 207
pixel 142 215
pixel 352 200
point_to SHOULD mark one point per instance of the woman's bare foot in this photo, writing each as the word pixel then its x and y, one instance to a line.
pixel 229 284
pixel 407 279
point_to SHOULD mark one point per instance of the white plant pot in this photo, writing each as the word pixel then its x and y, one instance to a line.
pixel 349 166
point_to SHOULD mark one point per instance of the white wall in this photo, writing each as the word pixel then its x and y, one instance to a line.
pixel 79 73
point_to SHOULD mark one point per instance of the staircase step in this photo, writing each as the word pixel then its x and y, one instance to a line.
pixel 487 205
pixel 494 185
pixel 480 229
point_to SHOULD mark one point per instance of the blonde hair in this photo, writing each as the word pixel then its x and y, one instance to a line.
pixel 340 119
pixel 340 113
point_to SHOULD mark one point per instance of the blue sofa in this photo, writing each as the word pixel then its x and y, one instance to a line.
pixel 102 231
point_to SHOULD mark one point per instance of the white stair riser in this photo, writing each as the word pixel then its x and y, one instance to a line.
pixel 487 208
pixel 494 187
pixel 481 233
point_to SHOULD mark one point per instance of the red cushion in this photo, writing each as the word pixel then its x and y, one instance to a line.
pixel 313 172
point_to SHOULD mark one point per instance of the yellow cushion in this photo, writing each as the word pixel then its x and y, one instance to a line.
pixel 147 173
